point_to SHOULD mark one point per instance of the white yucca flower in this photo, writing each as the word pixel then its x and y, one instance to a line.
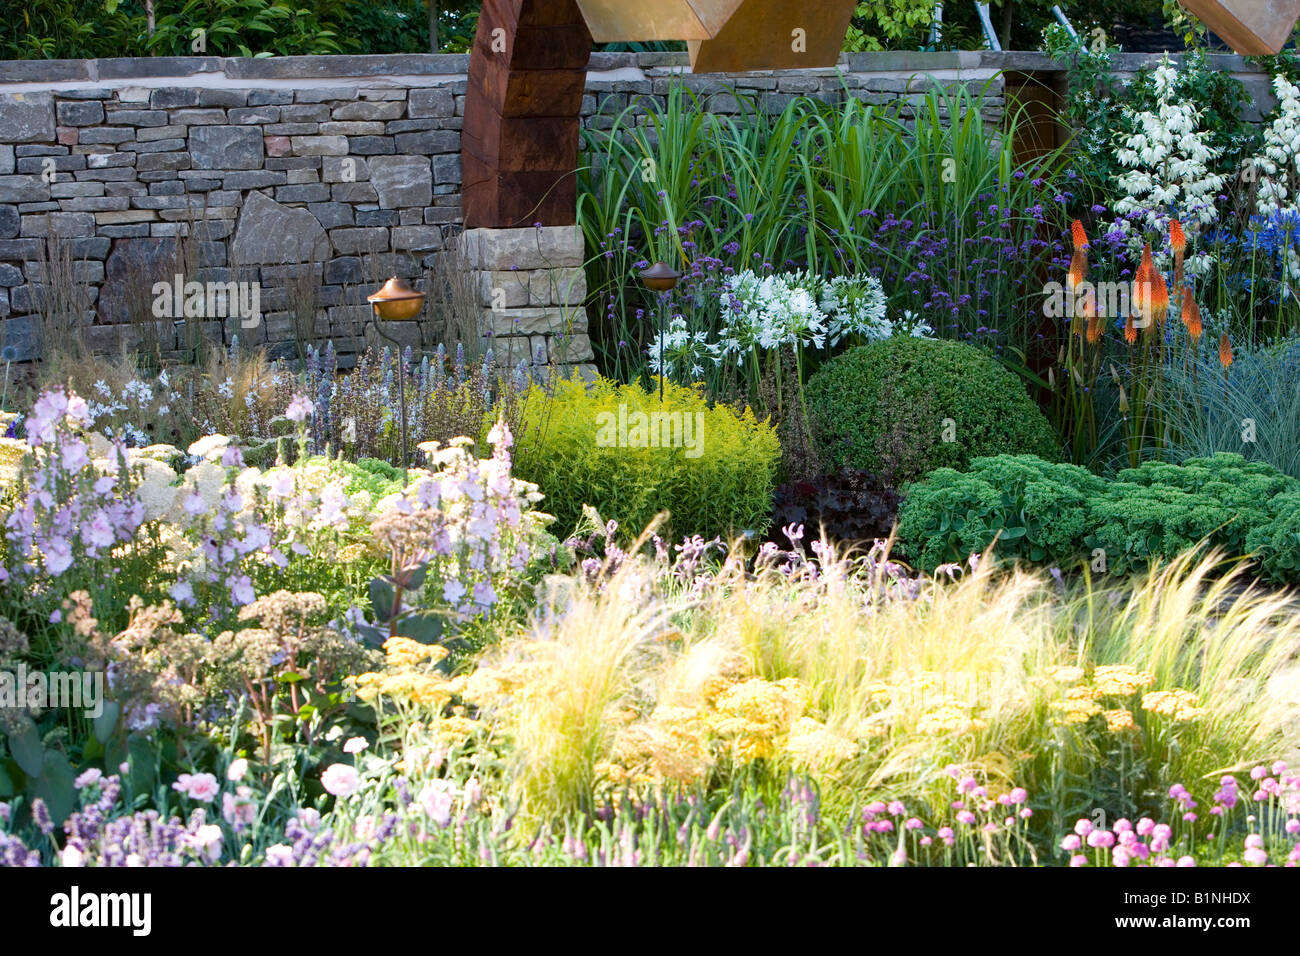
pixel 1168 177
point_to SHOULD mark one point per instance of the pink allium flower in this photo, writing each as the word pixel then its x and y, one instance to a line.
pixel 1019 795
pixel 1071 842
pixel 1083 827
pixel 1120 857
pixel 966 817
pixel 1293 826
pixel 1121 825
pixel 1256 857
pixel 1101 838
pixel 1026 813
pixel 1254 842
pixel 913 823
pixel 1078 860
pixel 1279 768
pixel 896 808
pixel 1186 861
pixel 340 780
pixel 1145 826
pixel 1258 773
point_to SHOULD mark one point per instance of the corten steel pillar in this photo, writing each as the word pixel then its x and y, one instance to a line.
pixel 527 75
pixel 523 105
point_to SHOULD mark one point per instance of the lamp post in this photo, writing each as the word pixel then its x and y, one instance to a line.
pixel 397 302
pixel 661 278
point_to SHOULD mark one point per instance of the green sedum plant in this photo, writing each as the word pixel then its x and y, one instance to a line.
pixel 1040 511
pixel 622 451
pixel 903 407
pixel 1037 511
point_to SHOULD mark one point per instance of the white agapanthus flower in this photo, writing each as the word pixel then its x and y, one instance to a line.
pixel 855 305
pixel 771 312
pixel 1168 156
pixel 683 350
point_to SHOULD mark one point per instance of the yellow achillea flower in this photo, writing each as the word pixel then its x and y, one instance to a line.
pixel 404 652
pixel 1077 705
pixel 1120 680
pixel 1117 720
pixel 1175 704
pixel 813 745
pixel 456 728
pixel 754 712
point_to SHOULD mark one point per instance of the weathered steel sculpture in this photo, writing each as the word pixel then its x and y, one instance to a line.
pixel 519 145
pixel 1251 27
pixel 528 69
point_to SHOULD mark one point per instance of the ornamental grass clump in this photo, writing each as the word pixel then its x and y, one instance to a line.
pixel 648 680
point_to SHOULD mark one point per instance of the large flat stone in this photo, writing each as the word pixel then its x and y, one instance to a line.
pixel 226 147
pixel 402 180
pixel 27 117
pixel 133 266
pixel 269 233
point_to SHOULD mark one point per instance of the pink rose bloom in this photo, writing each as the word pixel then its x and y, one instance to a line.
pixel 340 780
pixel 235 772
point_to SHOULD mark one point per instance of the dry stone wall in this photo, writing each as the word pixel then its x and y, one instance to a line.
pixel 311 180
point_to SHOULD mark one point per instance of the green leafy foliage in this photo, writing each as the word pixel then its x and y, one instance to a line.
pixel 583 446
pixel 906 406
pixel 1061 514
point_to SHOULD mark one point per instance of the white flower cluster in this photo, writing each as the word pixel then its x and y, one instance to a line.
pixel 1168 155
pixel 1277 165
pixel 770 312
pixel 765 313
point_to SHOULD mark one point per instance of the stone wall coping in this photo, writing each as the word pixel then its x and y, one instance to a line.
pixel 425 69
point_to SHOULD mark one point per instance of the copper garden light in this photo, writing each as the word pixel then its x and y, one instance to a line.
pixel 397 302
pixel 661 278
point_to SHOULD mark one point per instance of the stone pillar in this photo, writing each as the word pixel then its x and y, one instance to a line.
pixel 531 289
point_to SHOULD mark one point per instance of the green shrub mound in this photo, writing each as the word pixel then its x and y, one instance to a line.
pixel 1044 512
pixel 603 446
pixel 902 407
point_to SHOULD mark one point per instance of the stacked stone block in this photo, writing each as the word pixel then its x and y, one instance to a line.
pixel 531 287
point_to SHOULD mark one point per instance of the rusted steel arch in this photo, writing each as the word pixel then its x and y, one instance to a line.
pixel 519 146
pixel 523 105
